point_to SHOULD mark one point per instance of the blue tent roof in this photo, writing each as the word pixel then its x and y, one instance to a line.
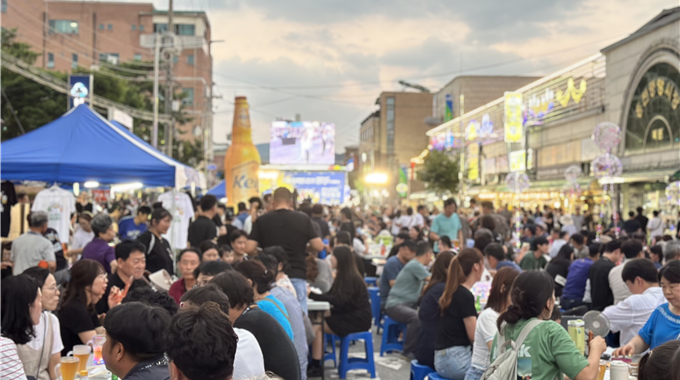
pixel 83 146
pixel 219 190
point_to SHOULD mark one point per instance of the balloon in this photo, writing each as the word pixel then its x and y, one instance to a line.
pixel 572 173
pixel 606 165
pixel 607 135
pixel 517 182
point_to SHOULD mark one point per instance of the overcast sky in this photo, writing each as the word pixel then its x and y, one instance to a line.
pixel 328 60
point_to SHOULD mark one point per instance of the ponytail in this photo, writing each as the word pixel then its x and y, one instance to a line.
pixel 530 294
pixel 459 270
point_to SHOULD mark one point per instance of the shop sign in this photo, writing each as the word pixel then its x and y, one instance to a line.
pixel 517 161
pixel 525 196
pixel 539 105
pixel 513 117
pixel 661 87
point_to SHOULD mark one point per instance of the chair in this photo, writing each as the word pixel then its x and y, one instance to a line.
pixel 322 255
pixel 347 363
pixel 419 371
pixel 374 295
pixel 435 376
pixel 329 355
pixel 371 281
pixel 390 339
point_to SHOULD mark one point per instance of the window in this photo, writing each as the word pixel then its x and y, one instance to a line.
pixel 160 28
pixel 185 29
pixel 112 58
pixel 101 26
pixel 138 57
pixel 190 59
pixel 4 6
pixel 110 27
pixel 64 26
pixel 134 27
pixel 188 99
pixel 50 60
pixel 74 61
pixel 175 59
pixel 141 28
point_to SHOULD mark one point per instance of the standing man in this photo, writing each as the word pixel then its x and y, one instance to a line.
pixel 317 217
pixel 129 228
pixel 578 219
pixel 581 250
pixel 447 224
pixel 534 260
pixel 632 225
pixel 32 248
pixel 292 231
pixel 642 219
pixel 598 275
pixel 422 217
pixel 240 218
pixel 501 226
pixel 203 228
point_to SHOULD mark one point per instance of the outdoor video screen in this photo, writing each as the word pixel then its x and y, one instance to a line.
pixel 302 142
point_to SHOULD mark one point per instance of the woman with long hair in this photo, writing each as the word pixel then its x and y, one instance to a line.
pixel 159 254
pixel 485 330
pixel 21 310
pixel 558 268
pixel 78 319
pixel 548 352
pixel 415 233
pixel 458 315
pixel 41 355
pixel 351 310
pixel 429 309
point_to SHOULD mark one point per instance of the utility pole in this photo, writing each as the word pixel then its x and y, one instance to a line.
pixel 461 171
pixel 170 45
pixel 156 58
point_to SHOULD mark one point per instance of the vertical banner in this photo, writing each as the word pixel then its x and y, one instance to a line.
pixel 80 90
pixel 517 161
pixel 473 161
pixel 513 117
pixel 402 186
pixel 449 108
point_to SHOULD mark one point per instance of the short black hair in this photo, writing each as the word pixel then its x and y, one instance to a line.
pixel 639 210
pixel 206 246
pixel 495 250
pixel 18 294
pixel 631 248
pixel 671 272
pixel 317 209
pixel 208 293
pixel 449 202
pixel 563 234
pixel 212 268
pixel 237 234
pixel 236 287
pixel 420 207
pixel 145 338
pixel 594 249
pixel 577 238
pixel 531 227
pixel 144 210
pixel 642 268
pixel 195 250
pixel 612 246
pixel 279 253
pixel 148 296
pixel 445 240
pixel 631 213
pixel 343 237
pixel 655 213
pixel 208 201
pixel 241 206
pixel 403 236
pixel 410 244
pixel 540 240
pixel 202 343
pixel 423 248
pixel 124 249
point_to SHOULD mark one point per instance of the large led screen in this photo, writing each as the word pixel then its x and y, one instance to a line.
pixel 302 143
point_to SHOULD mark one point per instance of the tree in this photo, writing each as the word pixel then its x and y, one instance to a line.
pixel 440 172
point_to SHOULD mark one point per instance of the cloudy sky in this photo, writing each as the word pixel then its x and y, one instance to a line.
pixel 328 60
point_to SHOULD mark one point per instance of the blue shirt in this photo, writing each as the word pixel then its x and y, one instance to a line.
pixel 508 263
pixel 446 226
pixel 390 271
pixel 661 327
pixel 275 308
pixel 128 230
pixel 576 279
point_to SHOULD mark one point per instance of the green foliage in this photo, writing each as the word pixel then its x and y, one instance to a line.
pixel 188 152
pixel 440 172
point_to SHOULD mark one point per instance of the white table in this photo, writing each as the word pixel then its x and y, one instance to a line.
pixel 319 307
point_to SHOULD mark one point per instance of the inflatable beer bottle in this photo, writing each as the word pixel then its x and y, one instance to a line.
pixel 242 161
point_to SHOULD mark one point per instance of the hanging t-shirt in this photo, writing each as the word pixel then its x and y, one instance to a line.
pixel 9 199
pixel 59 205
pixel 182 213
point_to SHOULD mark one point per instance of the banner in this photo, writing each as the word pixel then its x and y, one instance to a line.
pixel 325 187
pixel 402 186
pixel 513 117
pixel 473 161
pixel 517 161
pixel 80 90
pixel 449 108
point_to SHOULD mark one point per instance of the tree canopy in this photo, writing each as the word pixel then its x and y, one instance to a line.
pixel 439 172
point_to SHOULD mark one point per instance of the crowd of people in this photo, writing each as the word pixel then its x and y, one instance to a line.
pixel 237 304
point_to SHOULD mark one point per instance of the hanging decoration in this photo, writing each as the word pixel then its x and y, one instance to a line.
pixel 571 174
pixel 517 182
pixel 673 197
pixel 606 165
pixel 606 136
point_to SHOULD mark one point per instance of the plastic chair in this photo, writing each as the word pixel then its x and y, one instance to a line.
pixel 419 371
pixel 390 338
pixel 374 295
pixel 347 363
pixel 322 255
pixel 435 376
pixel 371 281
pixel 329 355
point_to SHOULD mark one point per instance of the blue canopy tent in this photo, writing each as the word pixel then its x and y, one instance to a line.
pixel 83 146
pixel 219 190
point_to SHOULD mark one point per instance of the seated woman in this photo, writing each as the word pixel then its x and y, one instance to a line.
pixel 281 279
pixel 550 352
pixel 187 262
pixel 558 268
pixel 260 279
pixel 656 364
pixel 350 309
pixel 429 309
pixel 209 251
pixel 78 319
pixel 485 330
pixel 664 323
pixel 99 249
pixel 415 233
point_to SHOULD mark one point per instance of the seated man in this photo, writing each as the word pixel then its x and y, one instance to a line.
pixel 393 266
pixel 131 264
pixel 631 249
pixel 201 344
pixel 631 314
pixel 403 298
pixel 495 254
pixel 208 270
pixel 561 240
pixel 134 351
pixel 534 260
pixel 581 251
pixel 575 287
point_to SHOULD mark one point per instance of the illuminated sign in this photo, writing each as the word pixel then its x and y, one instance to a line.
pixel 572 91
pixel 517 161
pixel 473 163
pixel 513 117
pixel 448 115
pixel 541 105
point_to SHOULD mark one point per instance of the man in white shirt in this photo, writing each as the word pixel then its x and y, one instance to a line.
pixel 656 225
pixel 29 249
pixel 558 243
pixel 630 315
pixel 632 249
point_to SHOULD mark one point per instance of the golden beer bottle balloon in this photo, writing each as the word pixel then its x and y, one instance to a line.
pixel 242 161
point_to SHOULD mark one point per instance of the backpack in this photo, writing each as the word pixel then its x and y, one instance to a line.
pixel 505 365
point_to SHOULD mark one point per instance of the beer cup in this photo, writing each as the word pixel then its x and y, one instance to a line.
pixel 67 368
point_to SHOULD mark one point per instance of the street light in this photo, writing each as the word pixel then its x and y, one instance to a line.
pixel 376 178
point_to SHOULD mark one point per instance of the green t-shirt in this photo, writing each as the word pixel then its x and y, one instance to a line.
pixel 548 352
pixel 530 262
pixel 408 285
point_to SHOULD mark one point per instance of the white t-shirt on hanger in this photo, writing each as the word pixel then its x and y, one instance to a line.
pixel 182 213
pixel 59 205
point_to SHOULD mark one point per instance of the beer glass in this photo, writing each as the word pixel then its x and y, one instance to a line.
pixel 67 367
pixel 97 343
pixel 82 352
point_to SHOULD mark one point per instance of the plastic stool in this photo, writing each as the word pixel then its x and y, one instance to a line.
pixel 347 363
pixel 419 371
pixel 374 295
pixel 371 281
pixel 390 338
pixel 435 376
pixel 329 355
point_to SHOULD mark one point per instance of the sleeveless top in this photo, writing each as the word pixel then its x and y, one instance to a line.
pixel 35 363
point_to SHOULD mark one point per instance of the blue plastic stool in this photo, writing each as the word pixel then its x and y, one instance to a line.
pixel 390 338
pixel 419 371
pixel 329 355
pixel 374 295
pixel 347 363
pixel 323 253
pixel 435 376
pixel 371 281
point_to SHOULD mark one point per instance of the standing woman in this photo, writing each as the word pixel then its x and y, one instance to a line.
pixel 486 328
pixel 350 309
pixel 453 347
pixel 21 311
pixel 159 254
pixel 558 268
pixel 429 308
pixel 47 342
pixel 78 319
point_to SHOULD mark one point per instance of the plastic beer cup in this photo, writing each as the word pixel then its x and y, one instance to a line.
pixel 67 368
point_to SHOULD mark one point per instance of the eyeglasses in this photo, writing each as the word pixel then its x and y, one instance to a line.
pixel 53 288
